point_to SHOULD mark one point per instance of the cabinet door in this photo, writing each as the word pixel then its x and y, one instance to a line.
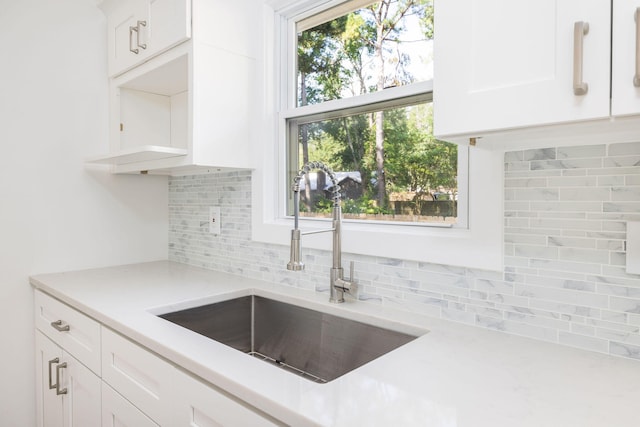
pixel 126 38
pixel 138 375
pixel 49 405
pixel 502 64
pixel 57 371
pixel 118 412
pixel 168 23
pixel 141 29
pixel 81 403
pixel 199 405
pixel 625 95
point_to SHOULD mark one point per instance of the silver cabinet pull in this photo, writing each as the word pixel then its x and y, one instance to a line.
pixel 131 30
pixel 51 362
pixel 136 29
pixel 580 29
pixel 636 77
pixel 59 326
pixel 58 368
pixel 138 25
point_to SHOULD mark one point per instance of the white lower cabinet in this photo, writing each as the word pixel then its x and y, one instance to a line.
pixel 199 405
pixel 166 394
pixel 127 385
pixel 68 393
pixel 119 412
pixel 139 376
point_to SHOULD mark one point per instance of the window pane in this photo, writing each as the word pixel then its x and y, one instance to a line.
pixel 399 174
pixel 385 44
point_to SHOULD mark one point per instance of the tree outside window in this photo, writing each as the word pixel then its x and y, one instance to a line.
pixel 389 164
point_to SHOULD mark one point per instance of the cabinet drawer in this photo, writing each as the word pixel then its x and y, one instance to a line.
pixel 140 376
pixel 118 412
pixel 75 332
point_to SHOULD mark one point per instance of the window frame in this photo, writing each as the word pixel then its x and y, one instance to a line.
pixel 395 97
pixel 479 245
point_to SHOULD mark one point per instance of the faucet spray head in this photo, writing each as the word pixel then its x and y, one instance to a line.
pixel 295 264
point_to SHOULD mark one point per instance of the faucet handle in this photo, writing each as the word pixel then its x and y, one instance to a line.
pixel 348 285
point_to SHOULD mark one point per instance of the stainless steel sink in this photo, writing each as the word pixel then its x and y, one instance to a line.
pixel 319 346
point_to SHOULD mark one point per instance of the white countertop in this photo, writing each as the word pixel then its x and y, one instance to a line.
pixel 454 376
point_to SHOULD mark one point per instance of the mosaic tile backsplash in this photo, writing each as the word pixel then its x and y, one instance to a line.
pixel 564 279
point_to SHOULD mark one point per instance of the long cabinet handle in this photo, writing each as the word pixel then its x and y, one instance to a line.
pixel 636 77
pixel 138 25
pixel 131 30
pixel 51 362
pixel 136 30
pixel 58 325
pixel 580 29
pixel 60 391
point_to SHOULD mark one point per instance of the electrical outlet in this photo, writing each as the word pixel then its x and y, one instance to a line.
pixel 214 220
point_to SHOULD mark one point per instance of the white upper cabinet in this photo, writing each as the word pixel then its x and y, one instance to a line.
pixel 625 56
pixel 184 103
pixel 505 64
pixel 138 30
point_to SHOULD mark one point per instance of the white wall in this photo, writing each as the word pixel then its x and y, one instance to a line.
pixel 55 214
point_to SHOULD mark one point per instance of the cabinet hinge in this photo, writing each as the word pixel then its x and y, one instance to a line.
pixel 121 127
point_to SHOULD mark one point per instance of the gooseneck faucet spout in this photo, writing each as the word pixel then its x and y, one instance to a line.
pixel 338 285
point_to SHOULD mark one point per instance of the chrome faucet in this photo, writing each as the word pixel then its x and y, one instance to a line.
pixel 338 285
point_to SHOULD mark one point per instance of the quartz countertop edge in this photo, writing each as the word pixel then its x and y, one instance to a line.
pixel 455 375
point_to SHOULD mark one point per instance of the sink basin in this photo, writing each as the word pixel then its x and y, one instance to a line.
pixel 318 346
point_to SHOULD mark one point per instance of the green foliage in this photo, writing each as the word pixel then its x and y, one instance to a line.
pixel 338 57
pixel 362 205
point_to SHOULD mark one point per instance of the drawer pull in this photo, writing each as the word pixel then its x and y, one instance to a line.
pixel 58 368
pixel 59 326
pixel 580 29
pixel 51 362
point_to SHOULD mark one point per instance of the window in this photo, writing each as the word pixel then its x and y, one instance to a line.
pixel 359 97
pixel 475 240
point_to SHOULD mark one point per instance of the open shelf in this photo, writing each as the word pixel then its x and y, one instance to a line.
pixel 138 154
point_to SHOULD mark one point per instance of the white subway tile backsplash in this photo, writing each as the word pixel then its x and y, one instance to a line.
pixel 533 194
pixel 584 330
pixel 614 167
pixel 622 161
pixel 624 350
pixel 627 305
pixel 560 206
pixel 573 181
pixel 634 319
pixel 624 149
pixel 632 180
pixel 564 280
pixel 539 154
pixel 586 193
pixel 610 180
pixel 573 172
pixel 572 242
pixel 566 164
pixel 583 255
pixel 584 342
pixel 582 151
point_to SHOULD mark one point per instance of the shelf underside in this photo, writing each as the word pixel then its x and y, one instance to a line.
pixel 138 154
